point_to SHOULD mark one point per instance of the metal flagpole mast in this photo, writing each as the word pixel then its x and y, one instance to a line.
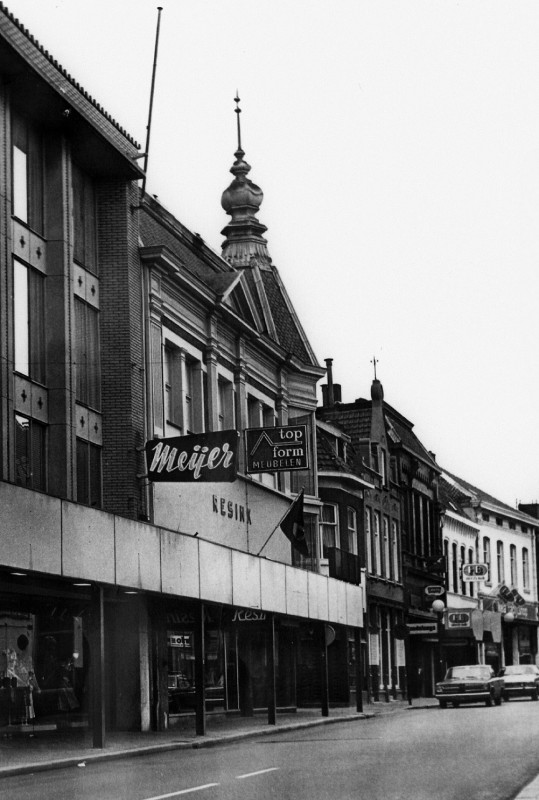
pixel 149 125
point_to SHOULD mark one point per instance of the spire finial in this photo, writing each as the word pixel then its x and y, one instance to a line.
pixel 238 112
pixel 374 361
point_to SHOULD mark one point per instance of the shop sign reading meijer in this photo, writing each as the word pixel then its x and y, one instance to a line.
pixel 200 457
pixel 276 449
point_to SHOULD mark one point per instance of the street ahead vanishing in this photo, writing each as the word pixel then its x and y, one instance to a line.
pixel 475 752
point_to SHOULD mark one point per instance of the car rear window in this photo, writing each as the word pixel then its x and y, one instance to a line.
pixel 473 672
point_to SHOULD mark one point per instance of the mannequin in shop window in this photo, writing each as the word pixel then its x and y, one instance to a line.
pixel 20 672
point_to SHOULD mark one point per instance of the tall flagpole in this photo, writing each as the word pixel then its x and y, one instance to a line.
pixel 149 125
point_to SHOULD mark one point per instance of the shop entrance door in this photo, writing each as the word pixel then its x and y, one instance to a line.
pixel 252 666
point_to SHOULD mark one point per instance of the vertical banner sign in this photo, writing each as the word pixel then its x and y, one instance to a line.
pixel 204 457
pixel 277 449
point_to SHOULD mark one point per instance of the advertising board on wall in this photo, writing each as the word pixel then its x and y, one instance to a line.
pixel 201 457
pixel 276 449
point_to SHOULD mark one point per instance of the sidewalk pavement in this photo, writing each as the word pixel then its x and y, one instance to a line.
pixel 39 751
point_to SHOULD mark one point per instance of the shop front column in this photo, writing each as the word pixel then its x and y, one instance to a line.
pixel 270 674
pixel 324 682
pixel 200 659
pixel 98 662
pixel 359 670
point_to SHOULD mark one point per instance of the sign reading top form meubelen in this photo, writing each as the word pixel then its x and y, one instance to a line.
pixel 199 458
pixel 277 449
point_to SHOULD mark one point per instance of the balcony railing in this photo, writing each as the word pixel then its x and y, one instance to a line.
pixel 343 565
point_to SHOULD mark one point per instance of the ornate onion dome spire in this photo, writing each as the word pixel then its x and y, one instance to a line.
pixel 244 242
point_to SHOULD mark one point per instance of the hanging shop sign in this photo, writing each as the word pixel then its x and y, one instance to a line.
pixel 422 628
pixel 277 449
pixel 434 591
pixel 475 572
pixel 204 457
pixel 510 595
pixel 459 619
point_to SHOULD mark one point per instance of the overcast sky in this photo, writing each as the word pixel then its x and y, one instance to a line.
pixel 397 145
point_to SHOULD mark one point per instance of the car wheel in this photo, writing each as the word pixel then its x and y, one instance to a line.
pixel 535 695
pixel 489 701
pixel 443 703
pixel 456 703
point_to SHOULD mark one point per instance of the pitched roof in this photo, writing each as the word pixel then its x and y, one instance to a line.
pixel 27 47
pixel 270 310
pixel 355 419
pixel 451 496
pixel 470 494
pixel 327 458
pixel 403 429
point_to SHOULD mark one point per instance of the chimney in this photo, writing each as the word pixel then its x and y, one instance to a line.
pixel 331 392
pixel 329 389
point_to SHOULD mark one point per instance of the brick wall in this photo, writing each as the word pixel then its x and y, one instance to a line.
pixel 122 358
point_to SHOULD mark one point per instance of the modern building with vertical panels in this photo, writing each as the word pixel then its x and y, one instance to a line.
pixel 125 601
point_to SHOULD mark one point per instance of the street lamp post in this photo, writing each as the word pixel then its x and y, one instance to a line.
pixel 438 607
pixel 508 618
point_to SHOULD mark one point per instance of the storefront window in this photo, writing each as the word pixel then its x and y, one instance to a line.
pixel 236 661
pixel 44 660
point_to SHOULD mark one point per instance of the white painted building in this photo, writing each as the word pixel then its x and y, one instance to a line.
pixel 503 608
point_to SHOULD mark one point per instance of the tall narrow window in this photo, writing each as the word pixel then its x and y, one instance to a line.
pixel 27 175
pixel 29 322
pixel 377 543
pixel 446 554
pixel 395 550
pixel 387 560
pixel 500 562
pixel 188 397
pixel 254 411
pixel 454 568
pixel 486 556
pixel 470 561
pixel 87 361
pixel 513 562
pixel 368 539
pixel 329 523
pixel 351 520
pixel 84 219
pixel 172 386
pixel 462 562
pixel 225 404
pixel 525 568
pixel 29 453
pixel 88 473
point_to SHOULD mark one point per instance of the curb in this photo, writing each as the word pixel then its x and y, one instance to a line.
pixel 197 744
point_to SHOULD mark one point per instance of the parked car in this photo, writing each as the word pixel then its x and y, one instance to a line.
pixel 470 684
pixel 520 680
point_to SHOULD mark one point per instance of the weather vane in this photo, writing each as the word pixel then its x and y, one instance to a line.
pixel 374 361
pixel 238 112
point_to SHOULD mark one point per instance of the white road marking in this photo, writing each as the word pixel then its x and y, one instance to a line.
pixel 260 772
pixel 182 791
